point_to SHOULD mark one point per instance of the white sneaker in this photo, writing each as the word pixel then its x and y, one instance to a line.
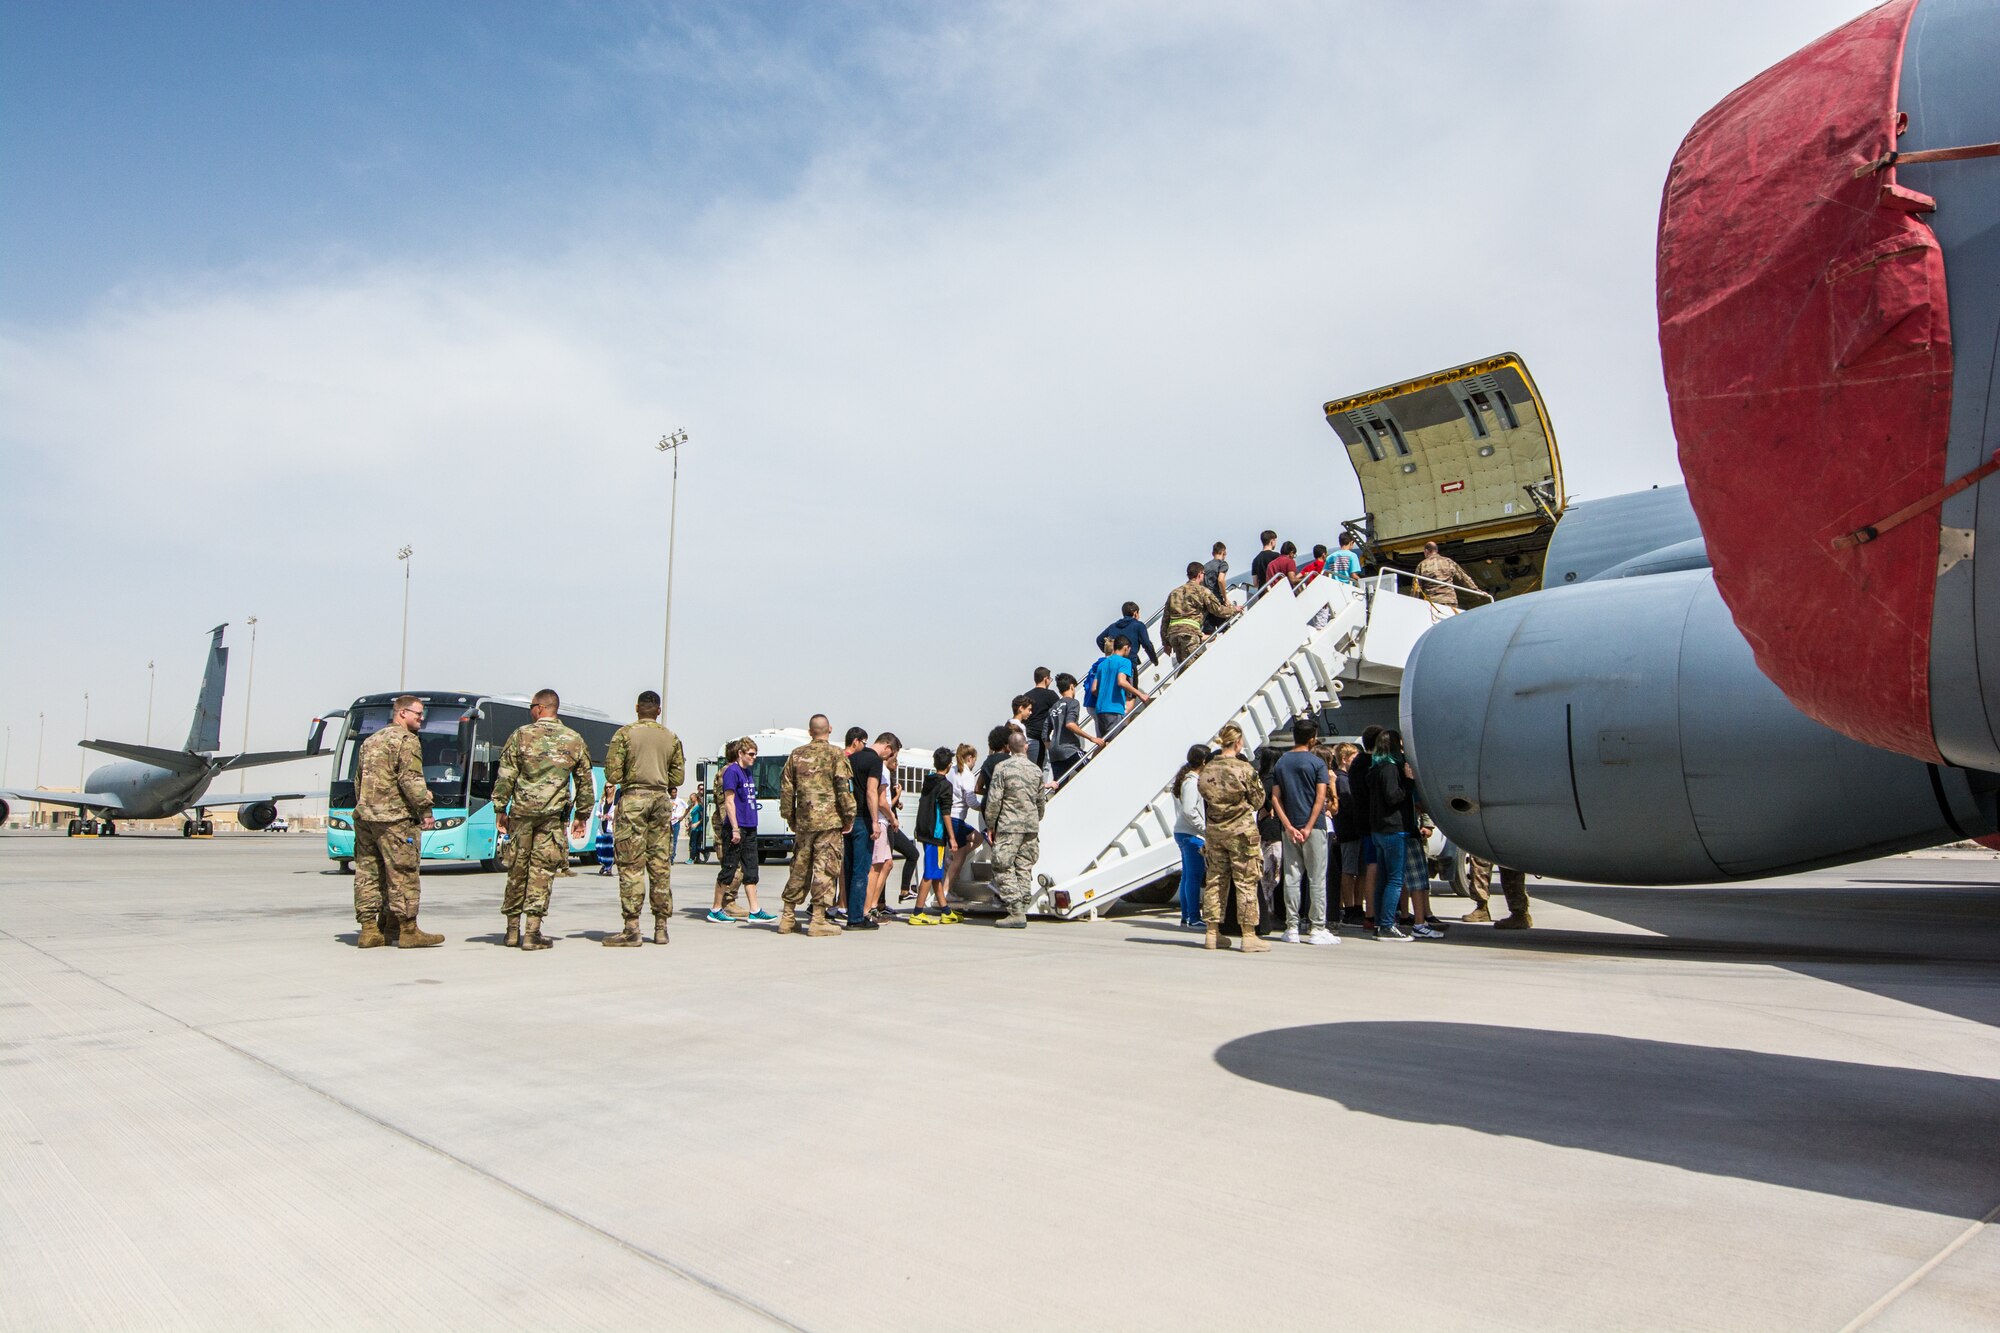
pixel 1291 934
pixel 1323 936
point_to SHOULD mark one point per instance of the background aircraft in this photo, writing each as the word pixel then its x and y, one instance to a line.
pixel 1790 662
pixel 155 783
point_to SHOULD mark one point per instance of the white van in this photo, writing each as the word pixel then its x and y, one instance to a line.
pixel 774 746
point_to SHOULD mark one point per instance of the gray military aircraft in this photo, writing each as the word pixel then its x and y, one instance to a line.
pixel 153 783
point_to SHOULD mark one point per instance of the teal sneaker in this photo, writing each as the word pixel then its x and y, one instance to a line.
pixel 761 915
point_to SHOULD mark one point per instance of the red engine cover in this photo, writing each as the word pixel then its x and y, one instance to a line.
pixel 1807 351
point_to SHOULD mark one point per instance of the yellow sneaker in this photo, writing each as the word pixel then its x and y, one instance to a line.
pixel 923 919
pixel 951 918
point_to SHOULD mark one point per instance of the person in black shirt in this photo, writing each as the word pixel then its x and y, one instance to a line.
pixel 868 769
pixel 1392 818
pixel 1262 562
pixel 1350 832
pixel 1370 872
pixel 1040 700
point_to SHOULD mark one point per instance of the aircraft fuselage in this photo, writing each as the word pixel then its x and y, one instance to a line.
pixel 146 791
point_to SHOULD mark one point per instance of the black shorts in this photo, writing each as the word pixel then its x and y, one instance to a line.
pixel 738 855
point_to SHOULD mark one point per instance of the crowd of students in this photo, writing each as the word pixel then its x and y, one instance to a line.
pixel 1341 832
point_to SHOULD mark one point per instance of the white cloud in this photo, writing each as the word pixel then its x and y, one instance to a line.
pixel 1050 313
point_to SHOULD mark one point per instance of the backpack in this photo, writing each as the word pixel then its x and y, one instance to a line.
pixel 1090 686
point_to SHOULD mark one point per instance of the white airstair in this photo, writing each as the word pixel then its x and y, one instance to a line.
pixel 1109 827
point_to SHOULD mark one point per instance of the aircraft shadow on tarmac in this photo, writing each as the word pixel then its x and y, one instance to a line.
pixel 1904 1137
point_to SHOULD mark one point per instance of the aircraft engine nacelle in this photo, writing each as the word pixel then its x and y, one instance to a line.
pixel 257 816
pixel 1621 732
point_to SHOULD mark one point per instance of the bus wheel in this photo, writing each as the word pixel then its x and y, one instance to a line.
pixel 344 867
pixel 490 864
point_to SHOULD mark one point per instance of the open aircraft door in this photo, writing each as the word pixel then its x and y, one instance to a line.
pixel 1465 458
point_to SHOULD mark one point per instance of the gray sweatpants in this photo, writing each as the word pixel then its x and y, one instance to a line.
pixel 1306 858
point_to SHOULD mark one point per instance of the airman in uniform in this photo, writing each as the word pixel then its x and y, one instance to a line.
pixel 816 799
pixel 646 765
pixel 1231 794
pixel 1440 577
pixel 1190 607
pixel 545 775
pixel 1513 885
pixel 1016 796
pixel 392 807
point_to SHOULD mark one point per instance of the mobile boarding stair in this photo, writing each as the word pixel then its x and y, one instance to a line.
pixel 1109 827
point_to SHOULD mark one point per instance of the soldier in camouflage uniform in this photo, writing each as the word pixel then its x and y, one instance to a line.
pixel 1015 799
pixel 391 808
pixel 816 799
pixel 544 775
pixel 644 762
pixel 1189 607
pixel 1231 794
pixel 1445 577
pixel 1513 885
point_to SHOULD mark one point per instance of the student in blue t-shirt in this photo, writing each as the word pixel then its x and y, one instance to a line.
pixel 1344 564
pixel 1114 679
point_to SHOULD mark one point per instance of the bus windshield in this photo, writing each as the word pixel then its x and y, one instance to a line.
pixel 443 745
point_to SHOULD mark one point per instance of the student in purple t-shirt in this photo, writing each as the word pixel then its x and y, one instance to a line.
pixel 736 838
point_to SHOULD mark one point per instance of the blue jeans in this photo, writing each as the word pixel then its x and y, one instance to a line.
pixel 1389 851
pixel 1194 869
pixel 860 853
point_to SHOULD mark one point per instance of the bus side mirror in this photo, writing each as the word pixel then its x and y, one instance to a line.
pixel 317 734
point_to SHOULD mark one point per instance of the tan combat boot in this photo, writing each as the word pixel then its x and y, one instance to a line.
pixel 788 920
pixel 411 936
pixel 627 938
pixel 819 926
pixel 1518 921
pixel 1478 913
pixel 1212 937
pixel 531 935
pixel 513 940
pixel 370 937
pixel 659 928
pixel 386 922
pixel 1251 942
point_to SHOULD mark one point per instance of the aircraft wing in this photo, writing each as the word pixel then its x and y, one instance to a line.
pixel 212 801
pixel 67 799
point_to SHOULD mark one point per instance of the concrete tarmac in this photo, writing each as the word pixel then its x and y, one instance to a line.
pixel 1773 1106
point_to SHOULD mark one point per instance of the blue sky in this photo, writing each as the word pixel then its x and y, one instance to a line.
pixel 983 319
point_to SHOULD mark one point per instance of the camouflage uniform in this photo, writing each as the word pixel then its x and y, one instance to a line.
pixel 646 764
pixel 1450 578
pixel 1513 886
pixel 1015 799
pixel 1181 623
pixel 1231 794
pixel 391 803
pixel 816 799
pixel 538 765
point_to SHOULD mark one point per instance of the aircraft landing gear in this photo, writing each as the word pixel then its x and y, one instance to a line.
pixel 187 828
pixel 70 830
pixel 110 830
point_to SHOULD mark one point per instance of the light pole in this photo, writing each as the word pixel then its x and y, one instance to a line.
pixel 403 669
pixel 670 445
pixel 86 736
pixel 151 678
pixel 249 683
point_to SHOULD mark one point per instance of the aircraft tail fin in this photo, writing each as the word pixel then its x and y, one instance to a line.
pixel 205 735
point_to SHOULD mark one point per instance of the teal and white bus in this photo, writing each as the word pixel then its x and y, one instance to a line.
pixel 461 740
